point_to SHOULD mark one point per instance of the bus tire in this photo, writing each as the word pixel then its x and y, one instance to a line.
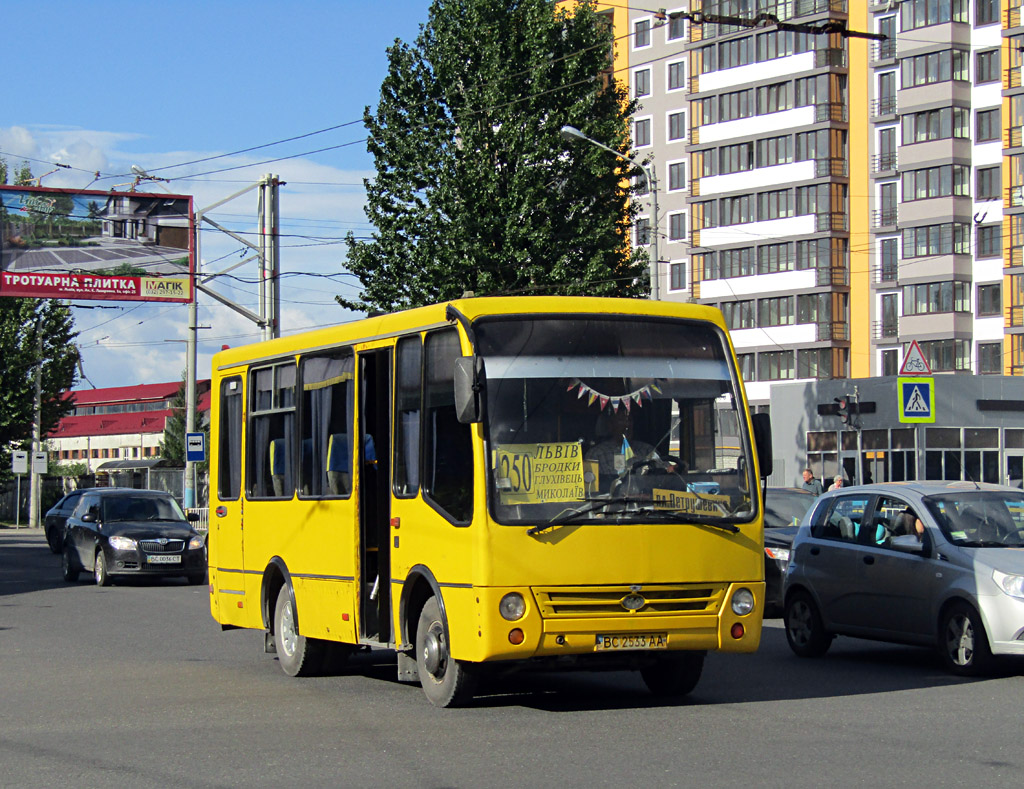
pixel 299 656
pixel 674 675
pixel 446 682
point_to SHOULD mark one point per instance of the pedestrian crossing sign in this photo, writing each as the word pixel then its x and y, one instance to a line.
pixel 917 399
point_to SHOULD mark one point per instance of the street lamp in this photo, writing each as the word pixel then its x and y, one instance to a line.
pixel 571 133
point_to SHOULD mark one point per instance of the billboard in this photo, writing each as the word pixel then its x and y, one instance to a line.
pixel 79 244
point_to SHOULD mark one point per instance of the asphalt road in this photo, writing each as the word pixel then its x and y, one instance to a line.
pixel 137 686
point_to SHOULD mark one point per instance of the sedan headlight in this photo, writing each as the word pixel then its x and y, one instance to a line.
pixel 123 543
pixel 1012 585
pixel 196 543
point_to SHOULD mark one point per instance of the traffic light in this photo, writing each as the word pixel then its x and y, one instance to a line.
pixel 843 409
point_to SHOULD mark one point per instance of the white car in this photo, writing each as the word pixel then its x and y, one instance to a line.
pixel 932 563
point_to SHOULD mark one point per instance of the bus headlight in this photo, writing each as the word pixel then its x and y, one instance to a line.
pixel 742 602
pixel 512 606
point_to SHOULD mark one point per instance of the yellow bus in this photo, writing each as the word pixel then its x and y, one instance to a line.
pixel 492 484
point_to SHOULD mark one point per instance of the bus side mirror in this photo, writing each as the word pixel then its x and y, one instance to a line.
pixel 763 442
pixel 469 389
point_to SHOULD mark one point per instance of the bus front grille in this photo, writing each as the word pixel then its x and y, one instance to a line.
pixel 650 600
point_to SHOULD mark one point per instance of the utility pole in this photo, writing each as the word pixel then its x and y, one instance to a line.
pixel 33 497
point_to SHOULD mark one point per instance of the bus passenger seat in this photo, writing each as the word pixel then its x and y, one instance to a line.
pixel 338 464
pixel 278 463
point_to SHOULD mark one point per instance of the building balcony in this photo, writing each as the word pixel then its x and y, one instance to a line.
pixel 884 50
pixel 885 330
pixel 831 168
pixel 1016 257
pixel 1015 196
pixel 885 105
pixel 830 58
pixel 1013 18
pixel 808 7
pixel 831 276
pixel 828 221
pixel 884 217
pixel 1011 78
pixel 831 112
pixel 1015 317
pixel 884 162
pixel 1013 137
pixel 831 330
pixel 888 271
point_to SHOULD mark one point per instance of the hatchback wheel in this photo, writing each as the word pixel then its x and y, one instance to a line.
pixel 804 632
pixel 963 642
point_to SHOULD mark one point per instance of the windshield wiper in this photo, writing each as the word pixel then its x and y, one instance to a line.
pixel 646 509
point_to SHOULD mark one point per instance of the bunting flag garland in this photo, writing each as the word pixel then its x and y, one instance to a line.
pixel 626 401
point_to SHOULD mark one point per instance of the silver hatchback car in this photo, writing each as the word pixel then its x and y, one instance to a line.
pixel 932 563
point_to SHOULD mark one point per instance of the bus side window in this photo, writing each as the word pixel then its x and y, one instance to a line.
pixel 448 470
pixel 408 405
pixel 271 446
pixel 327 400
pixel 229 472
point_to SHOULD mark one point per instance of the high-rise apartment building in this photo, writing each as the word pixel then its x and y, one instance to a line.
pixel 838 196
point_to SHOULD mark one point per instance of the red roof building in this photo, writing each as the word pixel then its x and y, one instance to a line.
pixel 119 423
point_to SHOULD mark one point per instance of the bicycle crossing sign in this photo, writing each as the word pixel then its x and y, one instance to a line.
pixel 917 399
pixel 914 362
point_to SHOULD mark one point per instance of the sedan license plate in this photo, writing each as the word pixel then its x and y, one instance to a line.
pixel 164 559
pixel 634 641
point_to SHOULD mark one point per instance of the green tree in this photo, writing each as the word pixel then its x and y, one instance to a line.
pixel 23 323
pixel 172 447
pixel 475 188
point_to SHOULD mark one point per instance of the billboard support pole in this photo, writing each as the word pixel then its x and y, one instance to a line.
pixel 33 495
pixel 190 370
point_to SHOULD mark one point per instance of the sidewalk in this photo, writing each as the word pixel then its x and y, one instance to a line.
pixel 5 525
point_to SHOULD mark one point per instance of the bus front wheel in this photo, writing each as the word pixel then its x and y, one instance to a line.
pixel 446 682
pixel 674 675
pixel 299 656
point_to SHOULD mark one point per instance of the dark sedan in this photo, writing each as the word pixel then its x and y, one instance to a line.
pixel 125 532
pixel 784 508
pixel 56 517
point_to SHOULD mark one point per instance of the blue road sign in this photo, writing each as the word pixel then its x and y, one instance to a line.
pixel 195 447
pixel 917 399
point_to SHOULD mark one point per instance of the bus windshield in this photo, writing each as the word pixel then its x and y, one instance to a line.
pixel 595 418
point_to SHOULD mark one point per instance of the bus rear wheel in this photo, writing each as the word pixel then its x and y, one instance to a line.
pixel 674 675
pixel 299 656
pixel 446 682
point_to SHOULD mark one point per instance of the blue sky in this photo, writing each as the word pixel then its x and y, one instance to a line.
pixel 103 86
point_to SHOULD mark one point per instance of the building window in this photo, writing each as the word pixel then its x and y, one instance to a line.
pixel 732 158
pixel 777 204
pixel 950 64
pixel 923 13
pixel 677 126
pixel 739 314
pixel 677 175
pixel 986 66
pixel 940 124
pixel 890 265
pixel 677 276
pixel 642 82
pixel 989 183
pixel 986 12
pixel 774 365
pixel 990 241
pixel 74 454
pixel 990 300
pixel 990 358
pixel 774 150
pixel 775 312
pixel 677 227
pixel 736 210
pixel 746 362
pixel 946 355
pixel 643 231
pixel 987 125
pixel 642 132
pixel 735 105
pixel 946 239
pixel 731 263
pixel 890 362
pixel 774 257
pixel 774 98
pixel 642 34
pixel 677 75
pixel 932 297
pixel 814 363
pixel 942 181
pixel 676 27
